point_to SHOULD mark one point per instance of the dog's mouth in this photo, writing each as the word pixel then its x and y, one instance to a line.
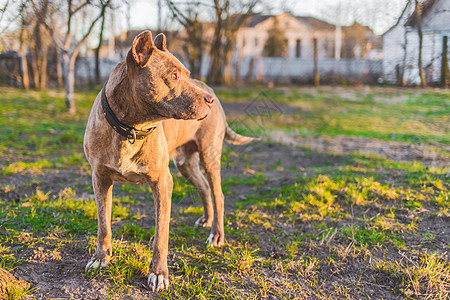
pixel 202 118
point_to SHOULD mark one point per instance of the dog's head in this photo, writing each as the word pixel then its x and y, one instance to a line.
pixel 160 80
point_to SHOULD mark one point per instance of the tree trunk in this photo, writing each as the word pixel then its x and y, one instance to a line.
pixel 444 64
pixel 35 69
pixel 402 81
pixel 227 53
pixel 216 67
pixel 316 64
pixel 423 82
pixel 226 78
pixel 43 68
pixel 23 61
pixel 43 59
pixel 97 52
pixel 59 73
pixel 69 81
pixel 197 69
pixel 42 41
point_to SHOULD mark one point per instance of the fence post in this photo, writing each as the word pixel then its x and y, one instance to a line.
pixel 444 65
pixel 316 64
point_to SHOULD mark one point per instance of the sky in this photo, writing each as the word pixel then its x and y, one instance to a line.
pixel 380 15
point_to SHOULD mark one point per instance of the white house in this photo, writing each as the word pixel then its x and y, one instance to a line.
pixel 401 43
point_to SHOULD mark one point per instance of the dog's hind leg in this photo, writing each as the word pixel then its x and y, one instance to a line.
pixel 187 162
pixel 103 197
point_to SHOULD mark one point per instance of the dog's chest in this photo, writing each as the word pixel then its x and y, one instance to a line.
pixel 131 171
pixel 136 166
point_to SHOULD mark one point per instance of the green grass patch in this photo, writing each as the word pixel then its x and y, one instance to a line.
pixel 417 118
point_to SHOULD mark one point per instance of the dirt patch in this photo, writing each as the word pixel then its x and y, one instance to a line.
pixel 59 272
pixel 402 152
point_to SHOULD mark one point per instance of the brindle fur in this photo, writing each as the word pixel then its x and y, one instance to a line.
pixel 143 91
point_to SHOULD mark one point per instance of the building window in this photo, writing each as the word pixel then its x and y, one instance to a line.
pixel 256 42
pixel 298 48
pixel 243 42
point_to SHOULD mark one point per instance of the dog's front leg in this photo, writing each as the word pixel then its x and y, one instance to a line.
pixel 103 197
pixel 162 194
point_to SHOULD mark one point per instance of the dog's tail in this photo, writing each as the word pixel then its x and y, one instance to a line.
pixel 237 139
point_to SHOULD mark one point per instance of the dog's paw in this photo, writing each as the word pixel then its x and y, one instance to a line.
pixel 95 264
pixel 215 240
pixel 157 282
pixel 203 222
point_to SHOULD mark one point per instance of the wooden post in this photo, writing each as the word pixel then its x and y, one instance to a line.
pixel 316 64
pixel 444 65
pixel 423 81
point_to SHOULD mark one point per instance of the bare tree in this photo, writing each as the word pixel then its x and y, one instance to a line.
pixel 276 44
pixel 228 23
pixel 194 44
pixel 40 49
pixel 444 62
pixel 38 43
pixel 68 47
pixel 401 73
pixel 3 10
pixel 22 49
pixel 228 17
pixel 418 13
pixel 97 50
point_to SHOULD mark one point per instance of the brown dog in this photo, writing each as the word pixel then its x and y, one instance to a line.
pixel 149 112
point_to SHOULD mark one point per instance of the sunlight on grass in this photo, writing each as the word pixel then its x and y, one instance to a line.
pixel 422 275
pixel 340 226
pixel 424 117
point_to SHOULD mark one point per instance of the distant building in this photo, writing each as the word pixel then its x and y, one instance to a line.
pixel 401 43
pixel 343 50
pixel 300 32
pixel 357 46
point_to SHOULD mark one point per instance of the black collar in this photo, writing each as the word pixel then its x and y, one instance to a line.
pixel 132 134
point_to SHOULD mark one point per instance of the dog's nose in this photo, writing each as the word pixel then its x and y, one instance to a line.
pixel 209 99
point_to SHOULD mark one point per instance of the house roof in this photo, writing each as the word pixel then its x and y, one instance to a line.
pixel 255 19
pixel 399 18
pixel 316 23
pixel 411 21
pixel 427 5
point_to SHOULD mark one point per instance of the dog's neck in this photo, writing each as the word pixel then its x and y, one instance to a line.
pixel 126 105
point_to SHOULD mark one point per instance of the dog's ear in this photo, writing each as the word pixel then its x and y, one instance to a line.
pixel 160 42
pixel 142 47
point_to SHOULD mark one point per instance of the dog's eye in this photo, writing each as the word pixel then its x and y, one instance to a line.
pixel 175 76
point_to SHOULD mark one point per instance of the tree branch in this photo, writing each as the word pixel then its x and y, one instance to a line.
pixel 68 36
pixel 80 43
pixel 57 42
pixel 80 7
pixel 2 10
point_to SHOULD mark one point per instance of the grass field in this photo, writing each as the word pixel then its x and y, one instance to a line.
pixel 308 222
